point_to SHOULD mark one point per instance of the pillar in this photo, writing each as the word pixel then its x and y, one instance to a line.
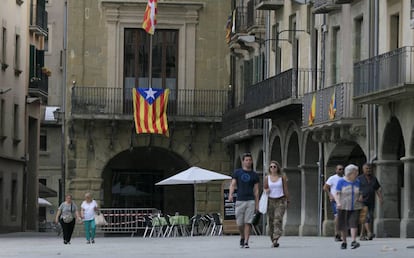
pixel 407 220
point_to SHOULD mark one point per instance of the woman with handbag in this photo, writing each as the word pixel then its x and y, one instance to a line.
pixel 275 186
pixel 66 215
pixel 88 209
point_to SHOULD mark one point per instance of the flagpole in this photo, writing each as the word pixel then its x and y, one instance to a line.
pixel 150 64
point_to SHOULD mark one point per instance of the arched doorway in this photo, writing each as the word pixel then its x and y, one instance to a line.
pixel 129 181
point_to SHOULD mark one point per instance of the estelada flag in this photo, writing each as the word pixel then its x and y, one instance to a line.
pixel 149 17
pixel 150 110
pixel 312 112
pixel 332 107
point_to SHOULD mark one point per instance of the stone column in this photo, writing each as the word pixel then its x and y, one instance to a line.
pixel 387 221
pixel 293 213
pixel 407 221
pixel 309 211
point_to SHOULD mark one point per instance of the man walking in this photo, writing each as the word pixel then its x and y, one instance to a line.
pixel 330 189
pixel 247 183
pixel 369 186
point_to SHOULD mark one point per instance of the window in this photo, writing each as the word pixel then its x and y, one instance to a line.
pixel 394 32
pixel 3 49
pixel 2 117
pixel 43 141
pixel 164 59
pixel 16 121
pixel 17 55
pixel 48 41
pixel 336 55
pixel 358 39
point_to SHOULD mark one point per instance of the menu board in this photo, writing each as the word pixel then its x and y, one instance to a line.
pixel 229 207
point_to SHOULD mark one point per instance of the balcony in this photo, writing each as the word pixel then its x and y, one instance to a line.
pixel 280 92
pixel 38 18
pixel 334 111
pixel 255 19
pixel 237 128
pixel 39 87
pixel 117 103
pixel 325 6
pixel 269 4
pixel 385 78
pixel 343 1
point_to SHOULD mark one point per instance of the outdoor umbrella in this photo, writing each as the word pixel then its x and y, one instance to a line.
pixel 193 175
pixel 43 202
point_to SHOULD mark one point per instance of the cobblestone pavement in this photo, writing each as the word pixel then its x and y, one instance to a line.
pixel 49 245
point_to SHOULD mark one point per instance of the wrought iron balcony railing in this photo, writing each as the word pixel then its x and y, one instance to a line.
pixel 325 6
pixel 385 77
pixel 38 17
pixel 39 85
pixel 204 105
pixel 255 18
pixel 332 104
pixel 236 127
pixel 269 4
pixel 278 91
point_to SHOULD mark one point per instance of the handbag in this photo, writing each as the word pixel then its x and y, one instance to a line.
pixel 256 218
pixel 263 203
pixel 100 220
pixel 68 217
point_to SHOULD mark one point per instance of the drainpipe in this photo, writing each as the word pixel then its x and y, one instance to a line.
pixel 63 107
pixel 376 52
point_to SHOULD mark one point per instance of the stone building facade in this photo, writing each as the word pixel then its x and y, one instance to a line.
pixel 320 83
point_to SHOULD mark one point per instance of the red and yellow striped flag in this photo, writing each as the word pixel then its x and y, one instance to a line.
pixel 149 17
pixel 150 110
pixel 312 112
pixel 332 107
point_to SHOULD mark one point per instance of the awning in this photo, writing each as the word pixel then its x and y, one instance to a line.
pixel 45 192
pixel 43 202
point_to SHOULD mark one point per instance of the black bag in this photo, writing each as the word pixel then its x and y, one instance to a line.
pixel 256 218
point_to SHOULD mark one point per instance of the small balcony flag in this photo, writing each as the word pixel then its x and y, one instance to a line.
pixel 332 107
pixel 149 17
pixel 312 111
pixel 150 110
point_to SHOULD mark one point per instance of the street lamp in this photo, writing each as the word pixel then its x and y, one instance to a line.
pixel 59 116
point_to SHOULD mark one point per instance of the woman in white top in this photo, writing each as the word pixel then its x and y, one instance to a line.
pixel 275 186
pixel 88 209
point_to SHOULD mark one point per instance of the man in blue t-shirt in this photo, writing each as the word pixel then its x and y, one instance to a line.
pixel 247 183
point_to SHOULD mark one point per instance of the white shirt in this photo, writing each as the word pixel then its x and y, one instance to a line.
pixel 89 210
pixel 332 182
pixel 276 188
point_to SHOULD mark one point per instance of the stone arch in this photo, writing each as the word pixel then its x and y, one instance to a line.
pixel 129 180
pixel 311 192
pixel 293 172
pixel 344 153
pixel 390 173
pixel 275 145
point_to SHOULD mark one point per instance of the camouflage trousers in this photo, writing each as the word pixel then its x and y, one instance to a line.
pixel 275 210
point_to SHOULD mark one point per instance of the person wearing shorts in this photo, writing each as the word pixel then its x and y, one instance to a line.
pixel 330 189
pixel 246 181
pixel 348 202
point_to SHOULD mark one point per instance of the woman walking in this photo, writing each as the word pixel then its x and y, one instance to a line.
pixel 66 215
pixel 275 185
pixel 88 209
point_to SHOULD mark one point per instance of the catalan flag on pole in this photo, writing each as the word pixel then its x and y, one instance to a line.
pixel 332 106
pixel 312 111
pixel 149 17
pixel 150 110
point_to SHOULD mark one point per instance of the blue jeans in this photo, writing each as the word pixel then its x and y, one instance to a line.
pixel 90 229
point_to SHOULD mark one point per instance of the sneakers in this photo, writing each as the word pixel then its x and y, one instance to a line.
pixel 354 245
pixel 338 238
pixel 241 242
pixel 275 244
pixel 343 246
pixel 370 236
pixel 363 238
pixel 246 245
pixel 88 242
pixel 93 241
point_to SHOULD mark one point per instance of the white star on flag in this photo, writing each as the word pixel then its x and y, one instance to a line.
pixel 150 93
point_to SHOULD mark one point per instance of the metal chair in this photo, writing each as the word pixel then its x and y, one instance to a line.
pixel 217 225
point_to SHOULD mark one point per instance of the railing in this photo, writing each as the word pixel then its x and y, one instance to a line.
pixel 38 15
pixel 234 121
pixel 241 18
pixel 39 85
pixel 118 101
pixel 345 107
pixel 384 72
pixel 254 17
pixel 125 220
pixel 290 84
